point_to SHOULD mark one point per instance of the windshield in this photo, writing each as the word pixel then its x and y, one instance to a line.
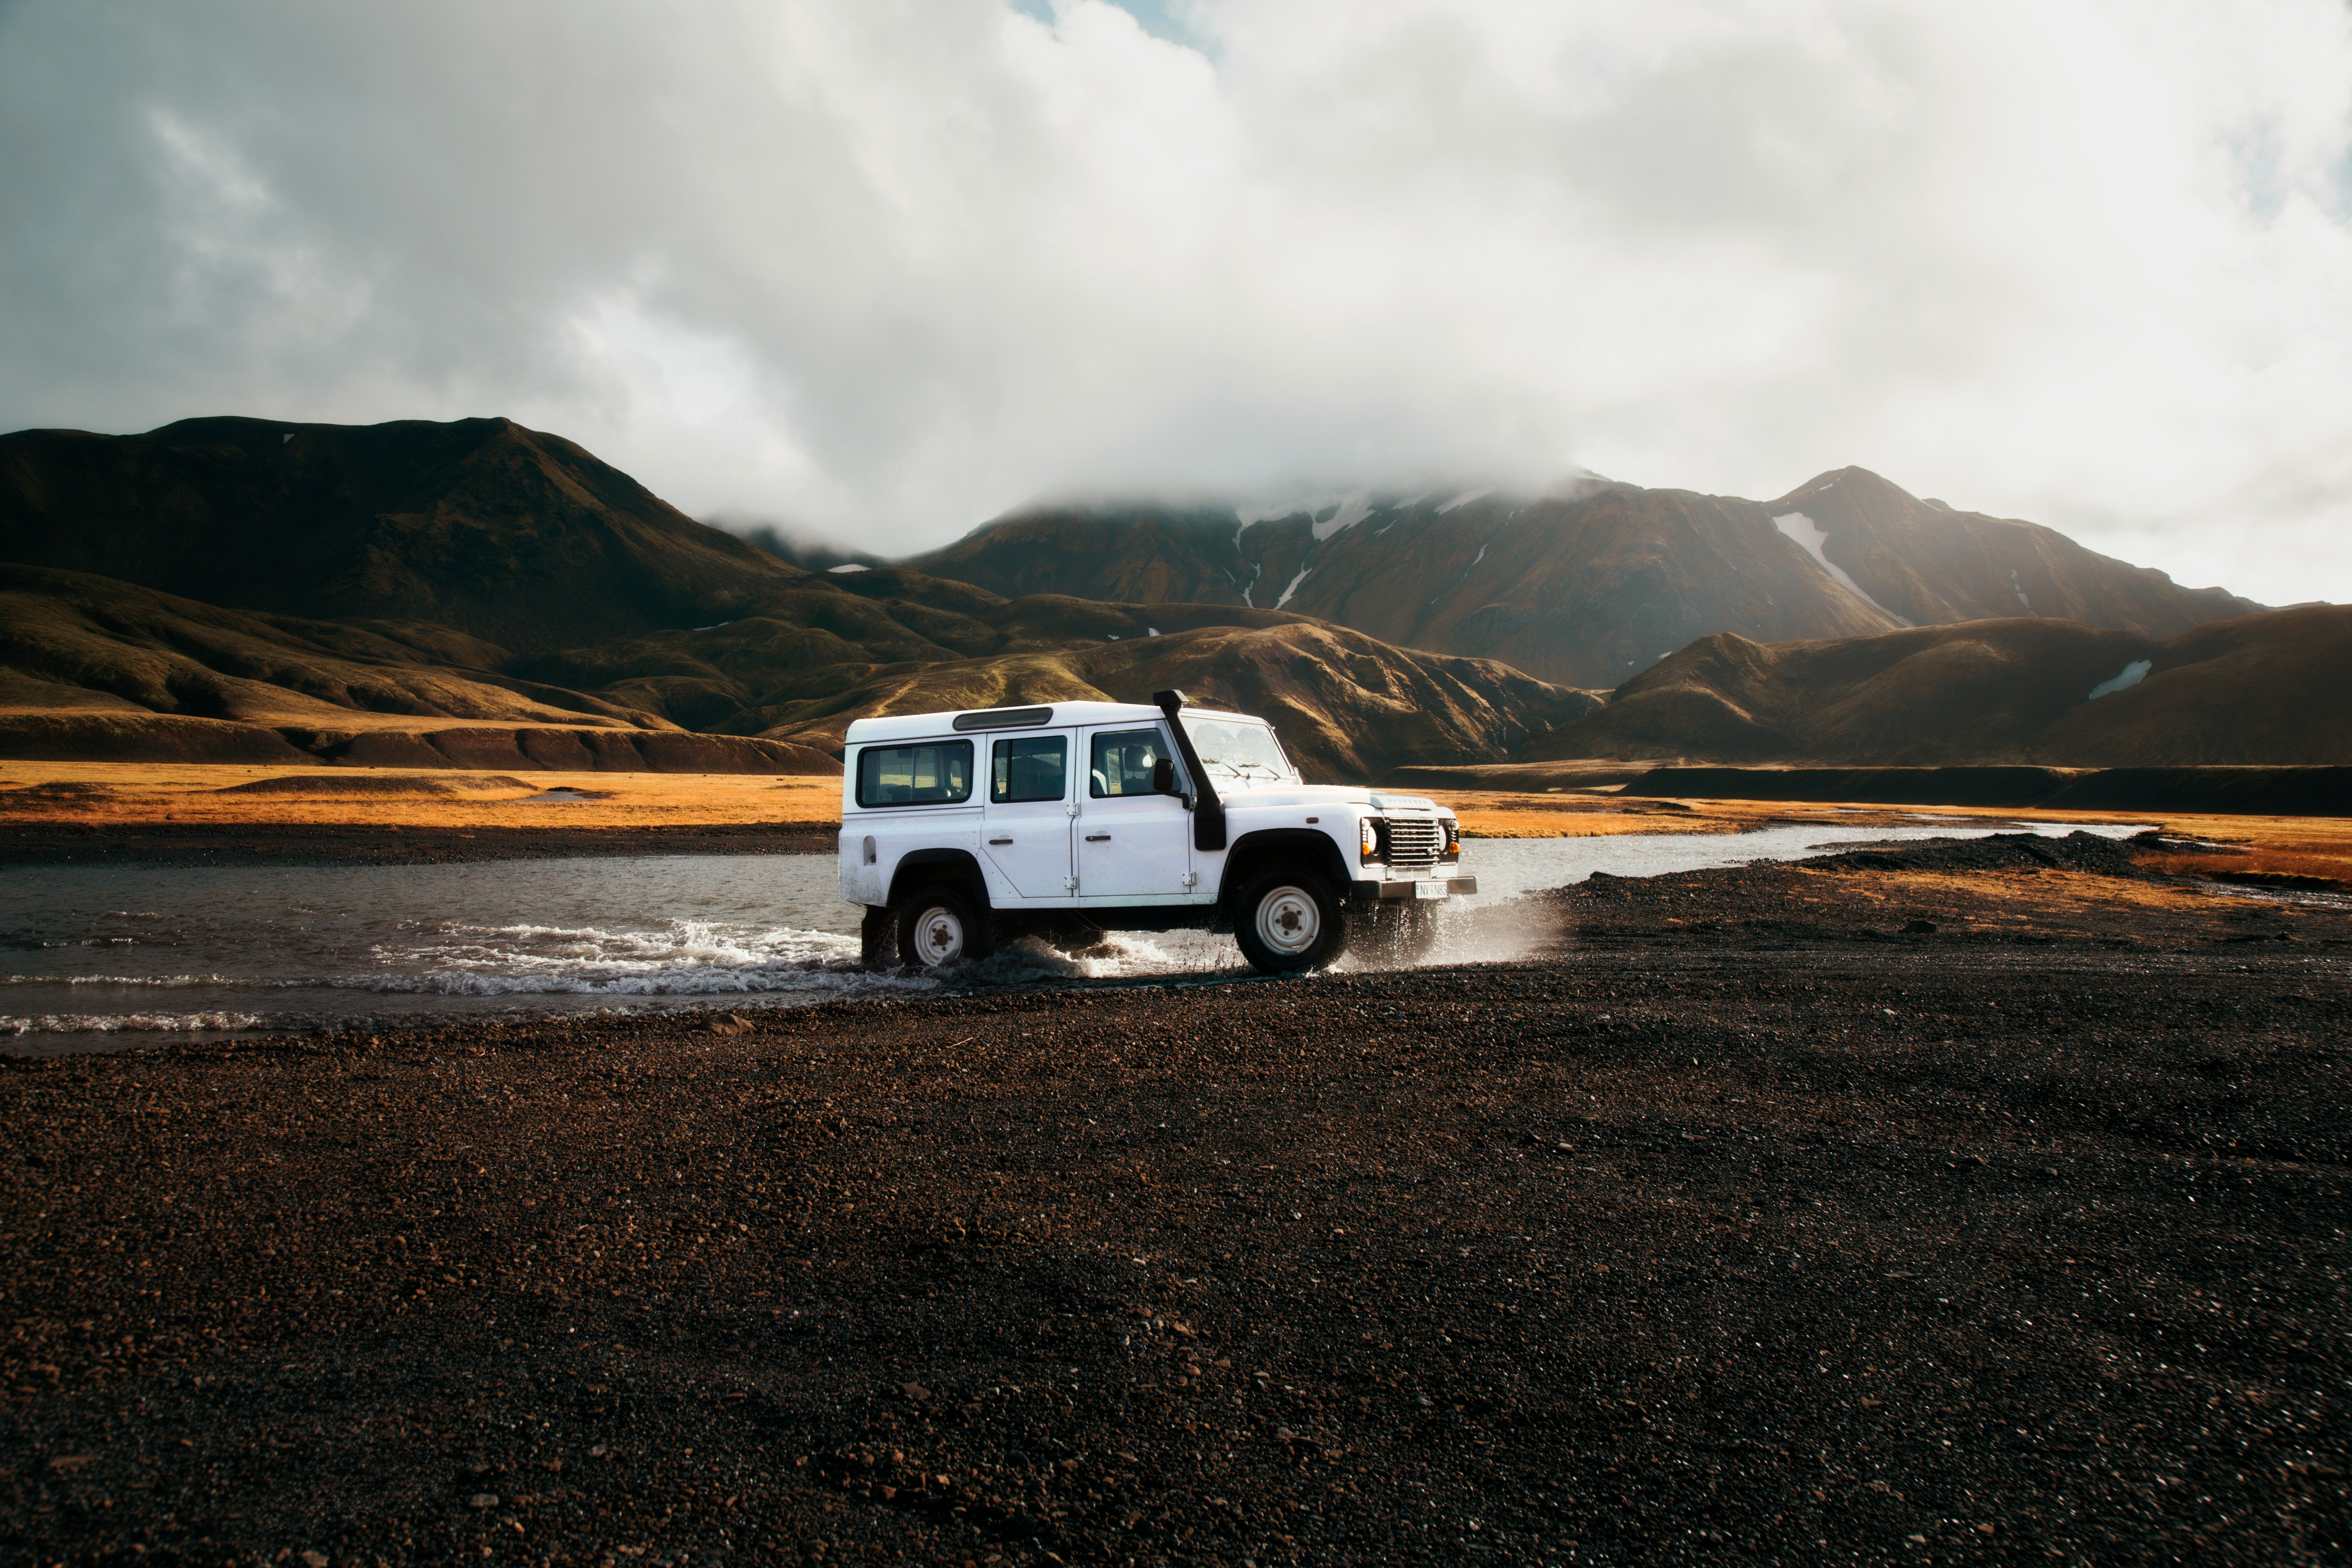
pixel 1237 748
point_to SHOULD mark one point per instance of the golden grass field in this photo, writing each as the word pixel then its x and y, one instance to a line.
pixel 125 793
pixel 129 792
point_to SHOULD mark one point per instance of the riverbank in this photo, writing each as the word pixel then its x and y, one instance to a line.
pixel 371 844
pixel 1747 1221
pixel 2241 791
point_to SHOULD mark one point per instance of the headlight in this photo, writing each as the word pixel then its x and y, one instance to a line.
pixel 1453 839
pixel 1371 838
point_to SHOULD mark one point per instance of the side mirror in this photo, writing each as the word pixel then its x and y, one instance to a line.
pixel 1163 776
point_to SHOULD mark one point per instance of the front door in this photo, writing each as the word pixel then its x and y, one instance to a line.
pixel 1026 829
pixel 1135 846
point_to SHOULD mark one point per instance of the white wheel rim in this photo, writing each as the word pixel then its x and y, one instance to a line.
pixel 1289 920
pixel 938 937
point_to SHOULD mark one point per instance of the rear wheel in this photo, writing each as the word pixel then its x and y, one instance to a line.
pixel 938 929
pixel 877 938
pixel 1290 922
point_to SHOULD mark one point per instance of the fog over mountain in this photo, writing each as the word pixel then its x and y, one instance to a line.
pixel 1584 582
pixel 878 271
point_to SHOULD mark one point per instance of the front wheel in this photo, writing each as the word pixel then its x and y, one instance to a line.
pixel 938 929
pixel 1404 931
pixel 1290 922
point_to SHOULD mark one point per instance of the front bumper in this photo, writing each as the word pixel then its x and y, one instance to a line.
pixel 1368 889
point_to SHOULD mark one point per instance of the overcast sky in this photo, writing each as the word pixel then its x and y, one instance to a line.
pixel 882 269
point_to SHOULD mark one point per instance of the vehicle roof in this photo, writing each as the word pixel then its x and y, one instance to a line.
pixel 1061 716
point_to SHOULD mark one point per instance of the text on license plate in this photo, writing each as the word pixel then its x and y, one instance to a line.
pixel 1429 889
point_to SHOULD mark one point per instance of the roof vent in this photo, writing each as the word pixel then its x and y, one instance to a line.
pixel 1003 718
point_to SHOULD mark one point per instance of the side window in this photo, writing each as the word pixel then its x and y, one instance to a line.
pixel 1122 762
pixel 936 773
pixel 1029 767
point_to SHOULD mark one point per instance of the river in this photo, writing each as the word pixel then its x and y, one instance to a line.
pixel 115 957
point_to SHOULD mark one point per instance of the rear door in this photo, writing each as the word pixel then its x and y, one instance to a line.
pixel 1135 846
pixel 1027 820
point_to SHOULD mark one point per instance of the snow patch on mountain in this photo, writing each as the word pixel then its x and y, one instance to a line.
pixel 1329 512
pixel 1809 537
pixel 2132 674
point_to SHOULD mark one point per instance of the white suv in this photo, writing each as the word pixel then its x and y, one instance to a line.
pixel 960 831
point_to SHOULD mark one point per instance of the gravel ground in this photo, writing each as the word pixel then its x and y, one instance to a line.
pixel 1732 1229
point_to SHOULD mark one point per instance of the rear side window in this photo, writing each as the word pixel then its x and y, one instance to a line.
pixel 936 773
pixel 1029 767
pixel 1122 762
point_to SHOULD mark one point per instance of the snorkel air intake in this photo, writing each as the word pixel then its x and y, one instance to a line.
pixel 1208 811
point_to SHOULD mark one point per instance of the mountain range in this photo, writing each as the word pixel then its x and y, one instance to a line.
pixel 421 590
pixel 366 593
pixel 2269 689
pixel 1591 583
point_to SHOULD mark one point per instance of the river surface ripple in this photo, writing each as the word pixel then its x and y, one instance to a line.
pixel 115 957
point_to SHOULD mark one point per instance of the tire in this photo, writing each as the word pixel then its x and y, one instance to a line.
pixel 938 929
pixel 877 939
pixel 1407 930
pixel 1290 922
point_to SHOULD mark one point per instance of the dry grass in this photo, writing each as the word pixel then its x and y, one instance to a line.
pixel 1498 814
pixel 103 793
pixel 127 792
pixel 2333 865
pixel 2027 895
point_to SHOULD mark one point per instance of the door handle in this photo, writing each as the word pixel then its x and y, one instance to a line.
pixel 1000 841
pixel 1097 838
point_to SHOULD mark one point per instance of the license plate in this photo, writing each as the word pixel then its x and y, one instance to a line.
pixel 1430 890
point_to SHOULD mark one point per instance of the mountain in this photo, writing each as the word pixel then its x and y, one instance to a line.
pixel 1923 563
pixel 503 534
pixel 805 550
pixel 476 590
pixel 1347 705
pixel 95 669
pixel 1586 585
pixel 91 668
pixel 2275 688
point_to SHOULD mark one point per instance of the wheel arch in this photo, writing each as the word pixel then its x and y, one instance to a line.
pixel 960 868
pixel 1254 852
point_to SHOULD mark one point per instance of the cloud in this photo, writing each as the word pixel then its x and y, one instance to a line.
pixel 884 268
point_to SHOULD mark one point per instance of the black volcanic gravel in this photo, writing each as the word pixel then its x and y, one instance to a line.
pixel 1650 1251
pixel 2077 851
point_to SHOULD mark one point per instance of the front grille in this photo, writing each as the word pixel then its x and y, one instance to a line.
pixel 1414 846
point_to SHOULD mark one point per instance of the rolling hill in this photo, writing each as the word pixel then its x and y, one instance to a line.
pixel 94 668
pixel 1589 584
pixel 1347 706
pixel 2270 688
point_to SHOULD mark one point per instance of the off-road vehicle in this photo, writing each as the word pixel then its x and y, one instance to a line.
pixel 963 831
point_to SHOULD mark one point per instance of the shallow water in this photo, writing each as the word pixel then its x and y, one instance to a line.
pixel 107 958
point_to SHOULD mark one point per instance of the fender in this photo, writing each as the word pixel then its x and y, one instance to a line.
pixel 1253 850
pixel 920 865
